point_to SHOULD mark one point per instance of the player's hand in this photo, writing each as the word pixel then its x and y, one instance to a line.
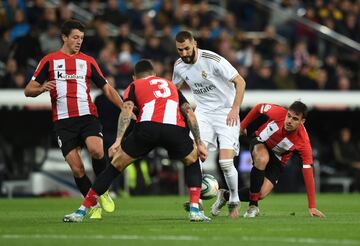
pixel 313 212
pixel 243 132
pixel 202 152
pixel 114 148
pixel 232 118
pixel 48 85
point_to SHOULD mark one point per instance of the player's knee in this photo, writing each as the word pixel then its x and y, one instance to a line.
pixel 226 165
pixel 96 153
pixel 260 161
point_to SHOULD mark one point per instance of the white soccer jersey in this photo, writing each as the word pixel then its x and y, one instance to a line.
pixel 209 79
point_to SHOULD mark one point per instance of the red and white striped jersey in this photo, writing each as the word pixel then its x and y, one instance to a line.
pixel 157 99
pixel 72 73
pixel 273 134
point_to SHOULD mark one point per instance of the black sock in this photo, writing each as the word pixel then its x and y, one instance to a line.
pixel 83 184
pixel 99 165
pixel 193 175
pixel 256 181
pixel 104 180
pixel 244 194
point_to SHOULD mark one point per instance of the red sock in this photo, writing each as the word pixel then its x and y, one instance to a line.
pixel 254 196
pixel 90 199
pixel 194 193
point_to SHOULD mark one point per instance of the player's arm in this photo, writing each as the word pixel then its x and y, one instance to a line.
pixel 124 119
pixel 233 116
pixel 112 95
pixel 254 113
pixel 99 80
pixel 38 83
pixel 34 88
pixel 192 123
pixel 180 84
pixel 305 152
pixel 309 180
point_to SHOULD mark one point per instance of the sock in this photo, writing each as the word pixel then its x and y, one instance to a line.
pixel 99 165
pixel 231 178
pixel 104 180
pixel 244 194
pixel 90 199
pixel 83 184
pixel 256 181
pixel 194 193
pixel 193 175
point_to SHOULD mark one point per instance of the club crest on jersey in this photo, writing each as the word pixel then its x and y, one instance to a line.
pixel 203 74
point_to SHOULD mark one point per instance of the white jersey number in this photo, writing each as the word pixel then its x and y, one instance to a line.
pixel 163 86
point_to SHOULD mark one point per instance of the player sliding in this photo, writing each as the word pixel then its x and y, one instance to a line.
pixel 274 143
pixel 162 109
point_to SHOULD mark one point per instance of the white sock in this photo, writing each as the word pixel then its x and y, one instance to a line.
pixel 231 178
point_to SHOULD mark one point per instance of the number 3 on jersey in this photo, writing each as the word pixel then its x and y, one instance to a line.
pixel 164 90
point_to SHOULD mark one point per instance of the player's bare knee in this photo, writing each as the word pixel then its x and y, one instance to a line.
pixel 260 161
pixel 96 153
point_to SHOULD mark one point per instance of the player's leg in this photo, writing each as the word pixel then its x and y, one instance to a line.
pixel 77 167
pixel 226 161
pixel 67 132
pixel 137 144
pixel 180 146
pixel 91 132
pixel 253 210
pixel 229 147
pixel 102 183
pixel 193 178
pixel 260 156
pixel 272 173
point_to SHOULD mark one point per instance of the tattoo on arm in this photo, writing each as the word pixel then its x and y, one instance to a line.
pixel 189 115
pixel 124 118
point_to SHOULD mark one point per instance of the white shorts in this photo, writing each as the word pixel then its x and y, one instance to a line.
pixel 213 129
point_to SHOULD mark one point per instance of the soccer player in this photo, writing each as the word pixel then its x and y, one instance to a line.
pixel 162 109
pixel 273 145
pixel 218 90
pixel 66 74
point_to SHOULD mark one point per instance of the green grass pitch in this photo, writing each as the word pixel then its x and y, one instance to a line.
pixel 162 221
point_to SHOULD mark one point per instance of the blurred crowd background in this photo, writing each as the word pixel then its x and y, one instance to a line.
pixel 269 48
pixel 274 44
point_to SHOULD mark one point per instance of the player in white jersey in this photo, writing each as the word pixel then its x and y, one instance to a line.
pixel 218 90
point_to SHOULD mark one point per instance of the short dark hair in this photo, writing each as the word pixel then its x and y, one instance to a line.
pixel 70 25
pixel 143 66
pixel 184 35
pixel 299 107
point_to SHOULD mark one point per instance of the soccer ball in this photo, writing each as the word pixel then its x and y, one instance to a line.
pixel 209 187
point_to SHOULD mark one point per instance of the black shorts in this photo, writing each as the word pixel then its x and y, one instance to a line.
pixel 147 135
pixel 72 132
pixel 274 168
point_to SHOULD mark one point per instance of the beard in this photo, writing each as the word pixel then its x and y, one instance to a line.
pixel 189 59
